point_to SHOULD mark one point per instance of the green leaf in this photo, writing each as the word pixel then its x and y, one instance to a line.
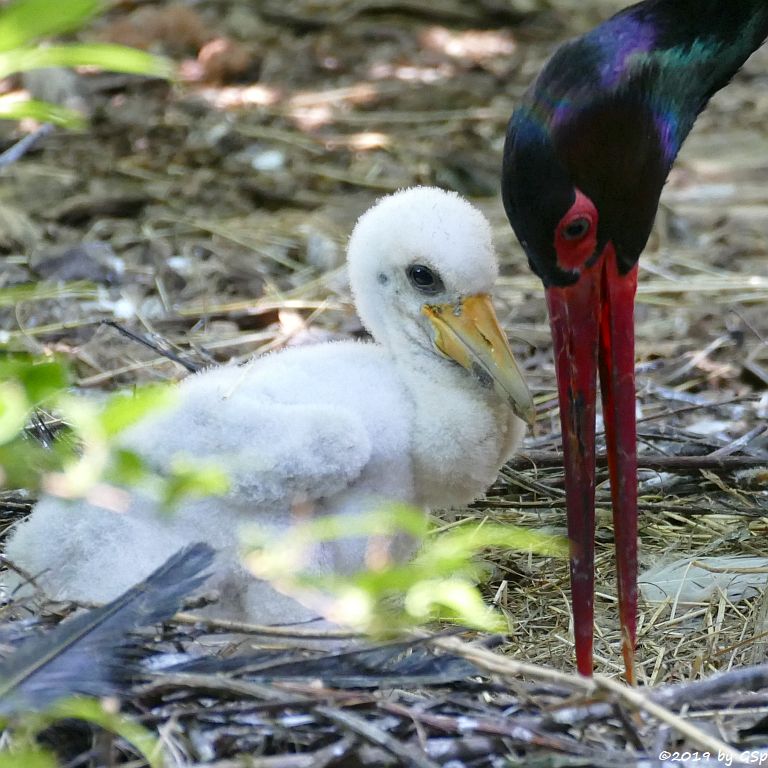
pixel 122 411
pixel 23 461
pixel 128 468
pixel 192 480
pixel 29 757
pixel 459 599
pixel 41 379
pixel 41 111
pixel 90 711
pixel 113 58
pixel 14 408
pixel 387 520
pixel 452 548
pixel 440 582
pixel 25 21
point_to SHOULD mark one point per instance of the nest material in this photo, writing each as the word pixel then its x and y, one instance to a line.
pixel 224 212
pixel 424 702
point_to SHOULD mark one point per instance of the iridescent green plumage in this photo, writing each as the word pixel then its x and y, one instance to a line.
pixel 609 113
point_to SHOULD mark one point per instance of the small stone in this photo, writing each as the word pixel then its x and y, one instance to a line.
pixel 94 261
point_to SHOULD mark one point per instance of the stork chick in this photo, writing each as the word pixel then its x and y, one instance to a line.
pixel 426 415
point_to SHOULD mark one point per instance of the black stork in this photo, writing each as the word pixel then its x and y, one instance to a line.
pixel 586 156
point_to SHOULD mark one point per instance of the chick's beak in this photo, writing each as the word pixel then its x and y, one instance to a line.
pixel 469 333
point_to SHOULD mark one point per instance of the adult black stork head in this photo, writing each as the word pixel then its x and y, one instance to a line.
pixel 586 156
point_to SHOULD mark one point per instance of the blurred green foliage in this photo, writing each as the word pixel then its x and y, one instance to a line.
pixel 86 451
pixel 25 24
pixel 439 583
pixel 83 454
pixel 22 749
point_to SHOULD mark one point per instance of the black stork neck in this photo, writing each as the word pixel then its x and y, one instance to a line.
pixel 608 114
pixel 587 154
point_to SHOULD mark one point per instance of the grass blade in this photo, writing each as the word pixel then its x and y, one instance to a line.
pixel 25 21
pixel 113 58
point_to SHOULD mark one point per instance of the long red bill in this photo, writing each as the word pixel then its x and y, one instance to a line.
pixel 592 325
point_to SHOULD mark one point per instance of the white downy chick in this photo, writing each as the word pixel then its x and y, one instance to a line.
pixel 427 414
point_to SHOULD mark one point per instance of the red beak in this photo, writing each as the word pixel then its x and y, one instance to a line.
pixel 593 326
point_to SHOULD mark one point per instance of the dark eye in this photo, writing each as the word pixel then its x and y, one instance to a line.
pixel 424 279
pixel 576 229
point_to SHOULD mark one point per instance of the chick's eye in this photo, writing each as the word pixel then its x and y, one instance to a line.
pixel 424 279
pixel 576 228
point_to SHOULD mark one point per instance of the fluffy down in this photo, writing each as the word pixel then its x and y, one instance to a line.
pixel 331 428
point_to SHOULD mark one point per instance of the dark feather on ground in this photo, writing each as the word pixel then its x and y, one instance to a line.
pixel 84 655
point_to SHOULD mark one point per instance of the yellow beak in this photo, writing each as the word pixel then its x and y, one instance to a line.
pixel 469 333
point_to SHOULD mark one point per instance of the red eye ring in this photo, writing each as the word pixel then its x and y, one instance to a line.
pixel 576 228
pixel 576 234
